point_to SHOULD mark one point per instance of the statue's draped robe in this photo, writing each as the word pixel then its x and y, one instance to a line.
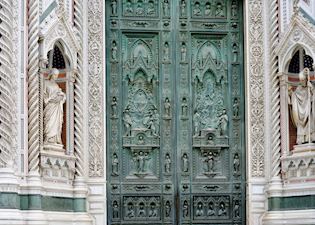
pixel 54 99
pixel 302 111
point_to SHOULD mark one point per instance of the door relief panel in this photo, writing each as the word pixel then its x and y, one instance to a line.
pixel 175 145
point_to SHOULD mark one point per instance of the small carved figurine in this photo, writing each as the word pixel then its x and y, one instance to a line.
pixel 197 123
pixel 114 51
pixel 183 8
pixel 151 9
pixel 167 163
pixel 183 51
pixel 222 209
pixel 236 163
pixel 166 51
pixel 115 210
pixel 139 9
pixel 210 162
pixel 223 123
pixel 185 209
pixel 153 210
pixel 129 9
pixel 199 210
pixel 141 211
pixel 167 209
pixel 219 11
pixel 166 8
pixel 130 211
pixel 127 122
pixel 235 52
pixel 236 209
pixel 234 9
pixel 114 106
pixel 115 165
pixel 235 108
pixel 114 7
pixel 185 163
pixel 167 107
pixel 211 211
pixel 208 9
pixel 197 10
pixel 184 107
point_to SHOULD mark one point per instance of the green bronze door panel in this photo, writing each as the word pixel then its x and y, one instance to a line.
pixel 175 120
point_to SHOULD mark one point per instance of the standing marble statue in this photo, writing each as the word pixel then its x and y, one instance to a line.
pixel 302 110
pixel 54 99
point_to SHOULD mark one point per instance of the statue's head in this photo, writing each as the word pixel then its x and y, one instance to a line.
pixel 53 74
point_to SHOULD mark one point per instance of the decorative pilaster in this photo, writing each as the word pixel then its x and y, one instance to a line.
pixel 7 76
pixel 33 85
pixel 95 88
pixel 78 92
pixel 284 114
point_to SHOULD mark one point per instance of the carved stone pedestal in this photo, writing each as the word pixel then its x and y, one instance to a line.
pixel 309 147
pixel 56 166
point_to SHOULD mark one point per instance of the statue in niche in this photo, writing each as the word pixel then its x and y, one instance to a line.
pixel 140 161
pixel 153 210
pixel 141 211
pixel 129 9
pixel 219 10
pixel 166 8
pixel 197 123
pixel 183 7
pixel 151 9
pixel 127 122
pixel 210 140
pixel 167 107
pixel 130 211
pixel 54 98
pixel 167 209
pixel 114 106
pixel 235 52
pixel 115 210
pixel 167 163
pixel 185 163
pixel 223 123
pixel 166 51
pixel 235 108
pixel 211 211
pixel 185 209
pixel 208 9
pixel 139 9
pixel 114 7
pixel 184 107
pixel 236 209
pixel 210 161
pixel 183 51
pixel 199 210
pixel 222 210
pixel 234 9
pixel 141 140
pixel 236 164
pixel 197 10
pixel 302 109
pixel 115 165
pixel 114 51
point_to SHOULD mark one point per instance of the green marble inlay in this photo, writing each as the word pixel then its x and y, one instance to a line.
pixel 38 202
pixel 291 203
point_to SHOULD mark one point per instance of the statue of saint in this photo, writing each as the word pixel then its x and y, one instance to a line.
pixel 167 209
pixel 54 98
pixel 115 210
pixel 166 8
pixel 197 10
pixel 302 110
pixel 115 165
pixel 223 123
pixel 127 122
pixel 211 211
pixel 222 209
pixel 185 209
pixel 167 107
pixel 199 210
pixel 153 212
pixel 167 163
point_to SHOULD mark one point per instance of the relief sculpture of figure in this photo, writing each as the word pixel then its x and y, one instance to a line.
pixel 167 163
pixel 151 8
pixel 223 123
pixel 153 212
pixel 127 122
pixel 167 209
pixel 115 165
pixel 185 163
pixel 185 209
pixel 167 107
pixel 114 7
pixel 211 211
pixel 166 8
pixel 54 98
pixel 199 210
pixel 115 210
pixel 302 110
